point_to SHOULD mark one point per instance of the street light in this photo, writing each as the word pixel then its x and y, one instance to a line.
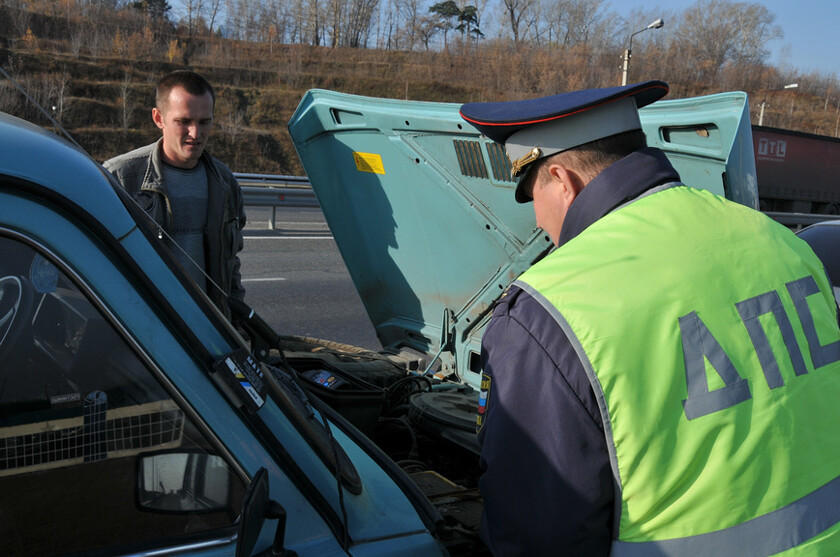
pixel 656 24
pixel 764 102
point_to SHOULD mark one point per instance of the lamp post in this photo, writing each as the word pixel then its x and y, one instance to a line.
pixel 656 24
pixel 764 102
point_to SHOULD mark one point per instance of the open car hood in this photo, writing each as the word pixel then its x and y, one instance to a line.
pixel 421 206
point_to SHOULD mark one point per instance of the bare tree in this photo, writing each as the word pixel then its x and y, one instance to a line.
pixel 388 28
pixel 77 40
pixel 717 32
pixel 274 19
pixel 232 110
pixel 126 103
pixel 359 20
pixel 516 10
pixel 576 20
pixel 50 91
pixel 297 20
pixel 335 21
pixel 213 7
pixel 192 9
pixel 313 23
pixel 20 16
pixel 156 10
pixel 300 11
pixel 410 12
pixel 242 19
pixel 349 21
pixel 9 98
pixel 427 27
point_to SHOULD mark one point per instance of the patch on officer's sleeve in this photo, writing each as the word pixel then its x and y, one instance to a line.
pixel 483 399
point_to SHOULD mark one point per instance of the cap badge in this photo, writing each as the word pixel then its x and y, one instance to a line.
pixel 519 164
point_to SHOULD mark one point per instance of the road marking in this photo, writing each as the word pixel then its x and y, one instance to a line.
pixel 288 237
pixel 262 279
pixel 288 224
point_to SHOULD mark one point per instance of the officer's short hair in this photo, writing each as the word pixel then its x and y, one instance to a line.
pixel 593 157
pixel 193 83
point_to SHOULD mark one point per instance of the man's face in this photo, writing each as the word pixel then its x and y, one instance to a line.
pixel 186 121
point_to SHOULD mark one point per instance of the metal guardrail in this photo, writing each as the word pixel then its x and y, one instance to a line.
pixel 271 180
pixel 266 190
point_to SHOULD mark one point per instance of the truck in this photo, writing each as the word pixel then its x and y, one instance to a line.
pixel 797 172
pixel 135 418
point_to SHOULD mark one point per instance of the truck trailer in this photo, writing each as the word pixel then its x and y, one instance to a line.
pixel 797 172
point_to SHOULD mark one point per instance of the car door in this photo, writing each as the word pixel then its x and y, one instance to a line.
pixel 92 444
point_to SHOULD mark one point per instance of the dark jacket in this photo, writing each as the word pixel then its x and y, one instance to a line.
pixel 140 172
pixel 547 429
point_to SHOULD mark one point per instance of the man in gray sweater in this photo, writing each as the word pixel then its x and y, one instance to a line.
pixel 192 196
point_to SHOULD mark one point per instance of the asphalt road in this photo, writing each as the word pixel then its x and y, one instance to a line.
pixel 295 278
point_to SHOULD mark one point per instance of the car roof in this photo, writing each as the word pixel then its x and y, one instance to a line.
pixel 824 239
pixel 47 165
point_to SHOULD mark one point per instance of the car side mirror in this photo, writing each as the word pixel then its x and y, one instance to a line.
pixel 255 509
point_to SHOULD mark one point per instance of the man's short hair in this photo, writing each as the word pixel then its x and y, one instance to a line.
pixel 193 83
pixel 591 158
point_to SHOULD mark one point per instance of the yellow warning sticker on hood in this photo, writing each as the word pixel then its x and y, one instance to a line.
pixel 369 162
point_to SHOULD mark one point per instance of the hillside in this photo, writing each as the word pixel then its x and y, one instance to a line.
pixel 103 93
pixel 105 102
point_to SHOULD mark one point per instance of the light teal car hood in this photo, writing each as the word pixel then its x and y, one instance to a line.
pixel 421 206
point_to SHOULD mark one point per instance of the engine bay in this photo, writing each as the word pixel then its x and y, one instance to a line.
pixel 425 424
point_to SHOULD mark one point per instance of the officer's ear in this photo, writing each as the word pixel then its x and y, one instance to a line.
pixel 569 181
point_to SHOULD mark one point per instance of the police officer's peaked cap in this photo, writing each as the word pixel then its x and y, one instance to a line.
pixel 537 128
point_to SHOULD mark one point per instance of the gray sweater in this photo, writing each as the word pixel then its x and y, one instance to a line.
pixel 141 174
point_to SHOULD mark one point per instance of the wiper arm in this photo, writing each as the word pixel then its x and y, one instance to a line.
pixel 263 337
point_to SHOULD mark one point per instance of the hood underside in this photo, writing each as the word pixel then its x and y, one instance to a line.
pixel 422 206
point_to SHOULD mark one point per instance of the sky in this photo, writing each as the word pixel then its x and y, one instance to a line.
pixel 811 30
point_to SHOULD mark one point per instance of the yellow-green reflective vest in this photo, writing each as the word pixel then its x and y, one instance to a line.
pixel 710 337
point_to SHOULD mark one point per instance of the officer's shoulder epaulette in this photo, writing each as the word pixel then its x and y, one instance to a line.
pixel 508 296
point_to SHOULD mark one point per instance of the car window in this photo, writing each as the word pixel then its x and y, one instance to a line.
pixel 94 452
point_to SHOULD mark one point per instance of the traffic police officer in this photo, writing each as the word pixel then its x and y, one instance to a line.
pixel 666 381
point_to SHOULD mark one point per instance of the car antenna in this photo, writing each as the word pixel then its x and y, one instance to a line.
pixel 41 108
